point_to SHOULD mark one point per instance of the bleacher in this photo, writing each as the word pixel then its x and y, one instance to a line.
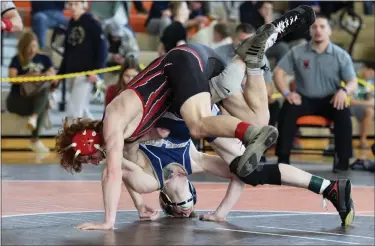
pixel 364 50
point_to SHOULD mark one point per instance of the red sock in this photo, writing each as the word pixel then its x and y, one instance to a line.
pixel 241 129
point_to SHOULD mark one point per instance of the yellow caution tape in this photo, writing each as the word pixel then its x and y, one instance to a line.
pixel 115 68
pixel 62 76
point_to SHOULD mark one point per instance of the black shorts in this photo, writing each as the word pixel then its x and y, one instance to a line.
pixel 188 68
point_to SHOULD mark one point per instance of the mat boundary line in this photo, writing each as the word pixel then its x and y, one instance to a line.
pixel 200 210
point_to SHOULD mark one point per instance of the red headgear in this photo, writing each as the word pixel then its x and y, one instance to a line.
pixel 87 142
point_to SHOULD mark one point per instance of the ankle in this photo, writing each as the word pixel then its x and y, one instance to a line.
pixel 254 71
pixel 241 130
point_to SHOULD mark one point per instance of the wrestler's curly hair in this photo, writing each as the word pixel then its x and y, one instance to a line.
pixel 64 139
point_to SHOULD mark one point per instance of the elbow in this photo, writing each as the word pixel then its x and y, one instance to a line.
pixel 278 74
pixel 17 24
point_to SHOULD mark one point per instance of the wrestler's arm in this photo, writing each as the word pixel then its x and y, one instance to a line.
pixel 113 133
pixel 217 166
pixel 232 196
pixel 136 197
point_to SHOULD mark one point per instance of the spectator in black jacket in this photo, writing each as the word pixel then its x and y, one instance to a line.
pixel 85 50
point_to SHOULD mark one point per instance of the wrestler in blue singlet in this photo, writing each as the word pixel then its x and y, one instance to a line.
pixel 175 149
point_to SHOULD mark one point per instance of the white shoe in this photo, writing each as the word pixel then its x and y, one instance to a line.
pixel 38 147
pixel 31 123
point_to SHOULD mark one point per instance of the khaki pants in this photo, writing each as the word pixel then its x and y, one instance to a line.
pixel 80 90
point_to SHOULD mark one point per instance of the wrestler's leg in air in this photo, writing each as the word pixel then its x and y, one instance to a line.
pixel 194 102
pixel 250 104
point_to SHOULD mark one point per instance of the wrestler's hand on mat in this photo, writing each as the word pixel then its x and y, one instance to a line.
pixel 147 213
pixel 95 226
pixel 212 217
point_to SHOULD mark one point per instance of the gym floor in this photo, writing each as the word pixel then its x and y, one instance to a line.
pixel 41 205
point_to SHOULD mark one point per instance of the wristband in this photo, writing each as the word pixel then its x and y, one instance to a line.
pixel 285 93
pixel 344 89
pixel 8 24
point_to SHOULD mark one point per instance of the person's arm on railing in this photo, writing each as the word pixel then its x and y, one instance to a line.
pixel 11 21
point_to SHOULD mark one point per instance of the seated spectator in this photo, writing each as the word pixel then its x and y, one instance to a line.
pixel 319 67
pixel 129 70
pixel 258 15
pixel 45 15
pixel 115 11
pixel 197 17
pixel 105 10
pixel 26 99
pixel 122 43
pixel 175 34
pixel 138 6
pixel 85 50
pixel 159 18
pixel 222 35
pixel 362 105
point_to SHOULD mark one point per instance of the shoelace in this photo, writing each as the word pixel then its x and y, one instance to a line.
pixel 282 25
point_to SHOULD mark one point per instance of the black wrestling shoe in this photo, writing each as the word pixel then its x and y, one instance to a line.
pixel 295 20
pixel 339 192
pixel 257 139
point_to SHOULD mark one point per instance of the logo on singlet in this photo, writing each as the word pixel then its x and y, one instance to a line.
pixel 228 91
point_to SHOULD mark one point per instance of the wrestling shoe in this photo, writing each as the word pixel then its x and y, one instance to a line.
pixel 256 139
pixel 339 192
pixel 295 20
pixel 252 50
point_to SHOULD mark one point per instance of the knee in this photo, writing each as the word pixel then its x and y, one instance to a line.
pixel 369 112
pixel 165 21
pixel 264 118
pixel 264 174
pixel 39 18
pixel 342 115
pixel 288 110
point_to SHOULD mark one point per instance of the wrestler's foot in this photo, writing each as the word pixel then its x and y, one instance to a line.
pixel 257 140
pixel 339 192
pixel 252 49
pixel 297 19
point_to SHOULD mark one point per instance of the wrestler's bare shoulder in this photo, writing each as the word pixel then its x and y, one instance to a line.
pixel 127 99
